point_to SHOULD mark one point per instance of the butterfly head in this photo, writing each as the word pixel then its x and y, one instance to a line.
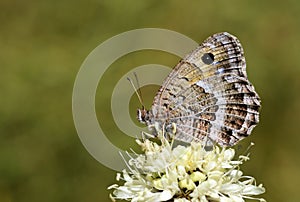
pixel 143 115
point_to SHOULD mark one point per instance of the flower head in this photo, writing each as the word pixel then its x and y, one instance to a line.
pixel 185 173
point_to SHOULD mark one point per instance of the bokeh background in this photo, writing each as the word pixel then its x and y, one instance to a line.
pixel 43 44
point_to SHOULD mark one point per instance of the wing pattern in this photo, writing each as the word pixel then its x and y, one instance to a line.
pixel 207 96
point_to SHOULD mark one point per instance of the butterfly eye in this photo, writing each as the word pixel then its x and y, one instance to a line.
pixel 207 58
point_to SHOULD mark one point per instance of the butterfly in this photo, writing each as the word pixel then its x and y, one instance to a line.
pixel 207 96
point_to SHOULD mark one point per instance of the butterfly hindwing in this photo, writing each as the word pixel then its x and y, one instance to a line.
pixel 208 95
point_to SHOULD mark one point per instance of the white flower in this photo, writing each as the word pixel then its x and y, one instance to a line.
pixel 185 173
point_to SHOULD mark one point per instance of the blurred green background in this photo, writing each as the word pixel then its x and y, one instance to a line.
pixel 43 44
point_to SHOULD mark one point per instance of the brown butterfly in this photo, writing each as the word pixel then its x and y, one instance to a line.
pixel 207 96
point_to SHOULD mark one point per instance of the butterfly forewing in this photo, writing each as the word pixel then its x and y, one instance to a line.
pixel 207 96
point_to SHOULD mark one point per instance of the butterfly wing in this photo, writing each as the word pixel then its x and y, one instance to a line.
pixel 208 96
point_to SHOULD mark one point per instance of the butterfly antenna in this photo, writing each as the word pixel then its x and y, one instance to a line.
pixel 137 91
pixel 139 88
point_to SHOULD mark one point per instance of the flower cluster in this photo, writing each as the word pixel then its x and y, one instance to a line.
pixel 185 173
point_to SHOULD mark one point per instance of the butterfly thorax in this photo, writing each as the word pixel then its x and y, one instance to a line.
pixel 158 123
